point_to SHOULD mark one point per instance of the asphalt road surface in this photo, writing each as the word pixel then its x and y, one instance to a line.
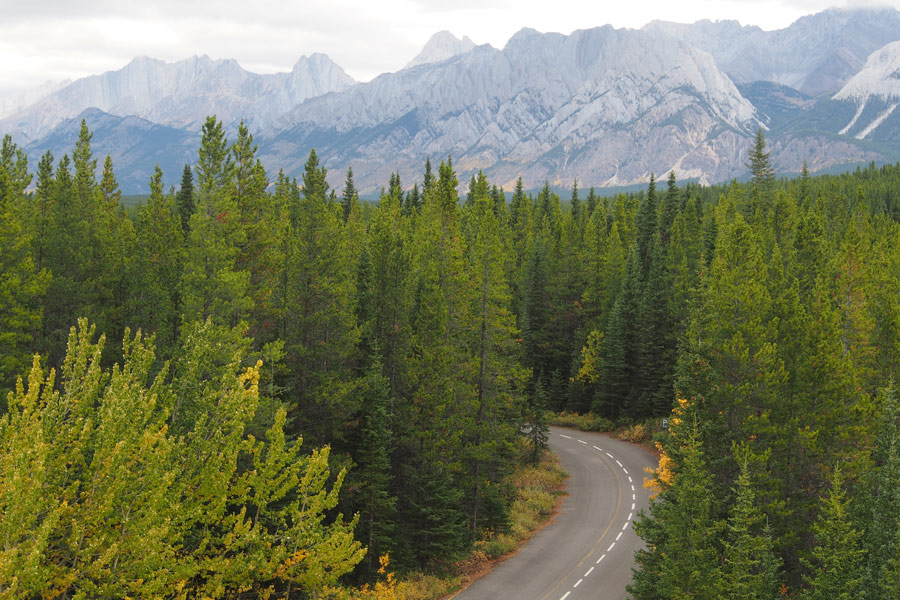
pixel 588 550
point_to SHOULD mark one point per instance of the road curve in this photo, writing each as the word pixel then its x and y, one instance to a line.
pixel 588 550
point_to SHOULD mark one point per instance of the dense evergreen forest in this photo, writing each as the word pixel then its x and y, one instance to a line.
pixel 270 384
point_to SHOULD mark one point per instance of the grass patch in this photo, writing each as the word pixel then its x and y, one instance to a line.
pixel 636 433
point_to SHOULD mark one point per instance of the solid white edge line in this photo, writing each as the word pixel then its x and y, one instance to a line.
pixel 577 583
pixel 568 437
pixel 589 571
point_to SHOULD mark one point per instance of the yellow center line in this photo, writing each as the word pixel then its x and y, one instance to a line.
pixel 593 549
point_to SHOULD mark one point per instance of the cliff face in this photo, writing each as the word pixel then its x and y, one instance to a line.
pixel 605 106
pixel 182 94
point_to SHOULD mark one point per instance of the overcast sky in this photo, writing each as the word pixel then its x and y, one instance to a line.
pixel 51 40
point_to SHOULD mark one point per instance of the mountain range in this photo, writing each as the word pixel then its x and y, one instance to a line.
pixel 603 106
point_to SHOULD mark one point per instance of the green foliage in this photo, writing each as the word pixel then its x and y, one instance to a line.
pixel 413 336
pixel 681 559
pixel 749 568
pixel 835 564
pixel 115 505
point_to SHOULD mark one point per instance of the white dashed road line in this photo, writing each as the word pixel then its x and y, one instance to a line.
pixel 624 527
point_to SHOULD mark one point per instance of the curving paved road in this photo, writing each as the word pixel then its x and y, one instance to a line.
pixel 588 550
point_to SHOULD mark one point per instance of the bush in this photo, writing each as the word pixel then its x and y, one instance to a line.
pixel 636 434
pixel 584 422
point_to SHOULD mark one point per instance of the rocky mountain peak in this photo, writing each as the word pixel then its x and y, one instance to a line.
pixel 441 46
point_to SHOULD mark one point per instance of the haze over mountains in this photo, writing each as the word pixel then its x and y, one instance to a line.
pixel 606 106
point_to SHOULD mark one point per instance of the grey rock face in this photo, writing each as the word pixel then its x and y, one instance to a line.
pixel 817 54
pixel 604 105
pixel 183 93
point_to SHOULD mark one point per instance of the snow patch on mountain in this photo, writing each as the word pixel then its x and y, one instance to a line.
pixel 880 77
pixel 849 126
pixel 875 123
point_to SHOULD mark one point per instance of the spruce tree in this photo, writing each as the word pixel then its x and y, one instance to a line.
pixel 159 259
pixel 760 165
pixel 214 165
pixel 681 559
pixel 749 567
pixel 184 200
pixel 372 456
pixel 41 214
pixel 349 197
pixel 835 564
pixel 879 500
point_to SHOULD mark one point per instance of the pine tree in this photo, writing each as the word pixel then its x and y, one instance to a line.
pixel 749 569
pixel 22 283
pixel 372 455
pixel 763 175
pixel 314 184
pixel 427 179
pixel 349 197
pixel 575 202
pixel 85 168
pixel 214 166
pixel 111 196
pixel 671 206
pixel 657 343
pixel 184 201
pixel 536 416
pixel 158 263
pixel 647 224
pixel 835 564
pixel 319 325
pixel 879 498
pixel 681 559
pixel 213 283
pixel 499 377
pixel 617 392
pixel 40 217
